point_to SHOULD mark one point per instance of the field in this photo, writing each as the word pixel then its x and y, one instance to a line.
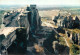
pixel 49 13
pixel 64 11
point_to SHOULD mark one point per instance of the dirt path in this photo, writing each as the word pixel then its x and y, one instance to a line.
pixel 50 25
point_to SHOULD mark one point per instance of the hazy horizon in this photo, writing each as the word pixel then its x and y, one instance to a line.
pixel 41 2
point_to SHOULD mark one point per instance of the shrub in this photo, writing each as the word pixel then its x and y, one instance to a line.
pixel 74 49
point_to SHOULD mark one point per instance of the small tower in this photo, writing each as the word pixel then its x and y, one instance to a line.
pixel 2 25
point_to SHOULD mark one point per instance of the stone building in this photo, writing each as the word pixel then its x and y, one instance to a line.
pixel 59 20
pixel 71 23
pixel 28 19
pixel 9 36
pixel 8 18
pixel 34 18
pixel 23 20
pixel 67 21
pixel 76 22
pixel 56 18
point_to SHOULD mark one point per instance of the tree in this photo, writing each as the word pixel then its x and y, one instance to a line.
pixel 75 49
pixel 2 37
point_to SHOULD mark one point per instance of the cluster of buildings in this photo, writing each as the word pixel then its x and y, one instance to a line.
pixel 7 37
pixel 24 18
pixel 27 17
pixel 71 22
pixel 67 21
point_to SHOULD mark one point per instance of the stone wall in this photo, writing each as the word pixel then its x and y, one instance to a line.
pixel 7 20
pixel 29 20
pixel 6 42
pixel 34 18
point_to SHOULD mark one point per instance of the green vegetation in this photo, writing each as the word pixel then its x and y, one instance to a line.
pixel 43 19
pixel 73 11
pixel 74 49
pixel 62 41
pixel 2 37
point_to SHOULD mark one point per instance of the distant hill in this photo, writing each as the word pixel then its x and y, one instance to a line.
pixel 8 7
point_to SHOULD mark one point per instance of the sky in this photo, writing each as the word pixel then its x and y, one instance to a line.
pixel 41 2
